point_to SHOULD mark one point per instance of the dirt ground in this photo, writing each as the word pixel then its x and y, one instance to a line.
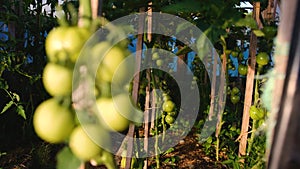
pixel 188 153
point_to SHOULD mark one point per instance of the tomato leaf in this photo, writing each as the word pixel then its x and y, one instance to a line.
pixel 7 106
pixel 21 111
pixel 66 159
pixel 248 21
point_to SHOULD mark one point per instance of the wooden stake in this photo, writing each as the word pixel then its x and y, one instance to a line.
pixel 94 4
pixel 213 88
pixel 136 80
pixel 148 98
pixel 249 85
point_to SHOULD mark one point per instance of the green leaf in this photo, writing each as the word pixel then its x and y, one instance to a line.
pixel 169 150
pixel 66 159
pixel 258 33
pixel 21 111
pixel 7 106
pixel 248 21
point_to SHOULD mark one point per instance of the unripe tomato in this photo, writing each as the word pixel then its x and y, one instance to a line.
pixel 53 122
pixel 243 69
pixel 159 62
pixel 65 43
pixel 169 119
pixel 86 141
pixel 235 91
pixel 234 99
pixel 113 67
pixel 168 106
pixel 155 56
pixel 262 59
pixel 166 97
pixel 57 80
pixel 255 113
pixel 113 114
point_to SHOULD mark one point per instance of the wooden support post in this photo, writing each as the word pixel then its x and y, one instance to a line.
pixel 249 85
pixel 95 5
pixel 139 47
pixel 148 88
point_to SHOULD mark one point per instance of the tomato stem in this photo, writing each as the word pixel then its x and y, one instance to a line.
pixel 85 16
pixel 108 160
pixel 252 137
pixel 256 93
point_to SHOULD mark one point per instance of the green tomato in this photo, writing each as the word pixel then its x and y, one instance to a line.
pixel 159 62
pixel 255 113
pixel 168 106
pixel 57 80
pixel 235 91
pixel 86 141
pixel 234 99
pixel 166 97
pixel 115 66
pixel 65 43
pixel 155 56
pixel 53 122
pixel 243 69
pixel 169 119
pixel 262 59
pixel 113 112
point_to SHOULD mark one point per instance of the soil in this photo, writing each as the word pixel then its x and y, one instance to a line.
pixel 188 154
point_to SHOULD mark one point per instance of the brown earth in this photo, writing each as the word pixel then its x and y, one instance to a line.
pixel 188 154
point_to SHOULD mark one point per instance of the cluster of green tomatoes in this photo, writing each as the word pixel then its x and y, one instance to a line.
pixel 55 120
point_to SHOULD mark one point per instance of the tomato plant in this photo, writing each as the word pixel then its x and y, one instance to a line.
pixel 229 30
